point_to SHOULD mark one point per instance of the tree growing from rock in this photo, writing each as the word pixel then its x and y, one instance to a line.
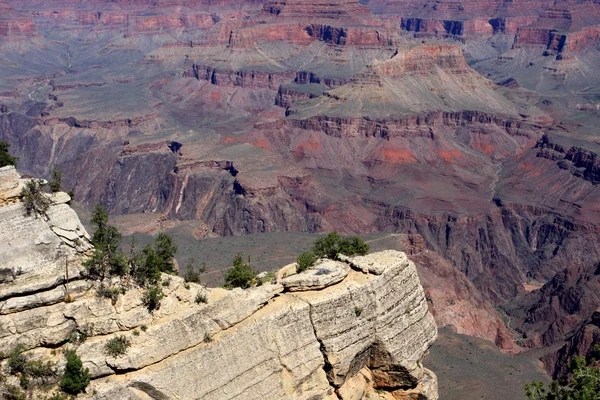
pixel 333 244
pixel 75 378
pixel 152 298
pixel 240 275
pixel 305 261
pixel 34 199
pixel 56 182
pixel 5 157
pixel 583 383
pixel 145 267
pixel 107 258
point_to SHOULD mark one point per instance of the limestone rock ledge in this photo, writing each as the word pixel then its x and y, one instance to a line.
pixel 358 332
pixel 361 338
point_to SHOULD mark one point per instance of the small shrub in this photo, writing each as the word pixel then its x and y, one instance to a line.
pixel 144 328
pixel 75 378
pixel 166 283
pixel 333 244
pixel 305 261
pixel 201 298
pixel 240 275
pixel 207 338
pixel 39 370
pixel 152 298
pixel 352 245
pixel 34 199
pixel 17 361
pixel 5 157
pixel 19 365
pixel 136 333
pixel 111 293
pixel 193 273
pixel 358 311
pixel 117 346
pixel 56 181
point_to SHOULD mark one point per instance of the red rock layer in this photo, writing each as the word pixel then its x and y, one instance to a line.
pixel 563 29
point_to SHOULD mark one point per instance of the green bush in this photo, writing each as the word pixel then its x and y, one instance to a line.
pixel 193 273
pixel 56 181
pixel 333 244
pixel 34 199
pixel 111 293
pixel 353 245
pixel 28 370
pixel 305 261
pixel 75 378
pixel 240 275
pixel 5 157
pixel 201 298
pixel 148 265
pixel 107 259
pixel 39 370
pixel 583 384
pixel 152 298
pixel 117 346
pixel 165 251
pixel 17 361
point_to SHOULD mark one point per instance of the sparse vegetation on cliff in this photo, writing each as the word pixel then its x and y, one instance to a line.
pixel 144 267
pixel 193 273
pixel 56 181
pixel 152 298
pixel 5 157
pixel 30 372
pixel 582 384
pixel 333 244
pixel 329 247
pixel 34 199
pixel 107 258
pixel 305 261
pixel 240 275
pixel 117 346
pixel 75 378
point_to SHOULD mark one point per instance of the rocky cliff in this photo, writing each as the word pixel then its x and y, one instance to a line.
pixel 341 330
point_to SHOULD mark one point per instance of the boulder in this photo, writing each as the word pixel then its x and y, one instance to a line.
pixel 323 274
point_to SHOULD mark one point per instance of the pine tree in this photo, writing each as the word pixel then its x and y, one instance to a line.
pixel 75 378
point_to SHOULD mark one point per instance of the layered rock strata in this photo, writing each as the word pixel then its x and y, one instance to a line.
pixel 345 332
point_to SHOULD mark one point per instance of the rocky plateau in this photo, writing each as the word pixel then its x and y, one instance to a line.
pixel 469 127
pixel 357 329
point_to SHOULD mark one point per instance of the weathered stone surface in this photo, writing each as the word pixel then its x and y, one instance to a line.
pixel 36 253
pixel 10 184
pixel 331 327
pixel 48 297
pixel 376 263
pixel 368 321
pixel 324 273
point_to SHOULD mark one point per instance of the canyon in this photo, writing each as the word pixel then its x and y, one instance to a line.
pixel 299 337
pixel 469 128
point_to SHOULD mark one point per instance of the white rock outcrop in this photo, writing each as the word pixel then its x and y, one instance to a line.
pixel 359 331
